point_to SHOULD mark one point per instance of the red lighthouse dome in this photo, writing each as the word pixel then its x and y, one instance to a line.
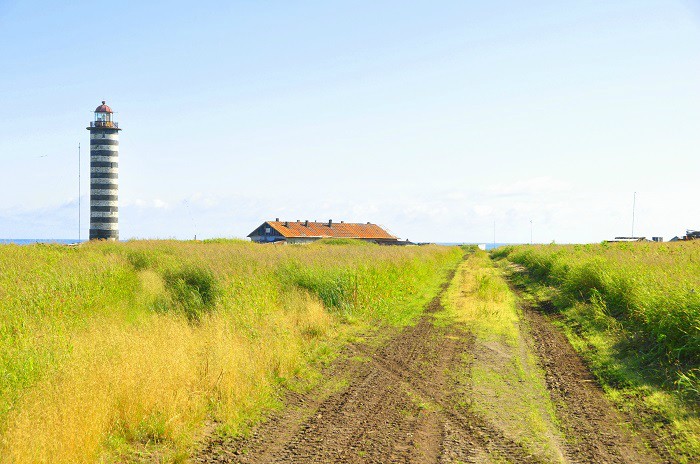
pixel 103 108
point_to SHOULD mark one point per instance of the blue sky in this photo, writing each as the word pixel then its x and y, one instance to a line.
pixel 434 119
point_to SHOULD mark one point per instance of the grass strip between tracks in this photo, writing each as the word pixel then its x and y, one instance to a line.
pixel 507 385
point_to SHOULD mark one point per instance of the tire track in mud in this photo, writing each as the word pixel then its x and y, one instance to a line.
pixel 479 433
pixel 589 420
pixel 399 406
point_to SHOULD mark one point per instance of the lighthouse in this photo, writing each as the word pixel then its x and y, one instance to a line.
pixel 104 172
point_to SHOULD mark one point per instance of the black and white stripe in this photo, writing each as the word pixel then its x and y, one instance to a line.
pixel 104 185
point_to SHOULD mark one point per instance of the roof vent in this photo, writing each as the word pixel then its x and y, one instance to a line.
pixel 369 222
pixel 277 219
pixel 286 223
pixel 306 223
pixel 330 223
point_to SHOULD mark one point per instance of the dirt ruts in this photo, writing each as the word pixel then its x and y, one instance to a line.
pixel 401 402
pixel 595 429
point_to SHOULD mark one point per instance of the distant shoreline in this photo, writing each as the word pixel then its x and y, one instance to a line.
pixel 489 246
pixel 30 241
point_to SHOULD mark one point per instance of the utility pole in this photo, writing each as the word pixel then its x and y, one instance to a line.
pixel 78 192
pixel 530 231
pixel 634 204
pixel 494 233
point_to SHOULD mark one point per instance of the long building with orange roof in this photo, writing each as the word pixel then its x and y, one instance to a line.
pixel 310 231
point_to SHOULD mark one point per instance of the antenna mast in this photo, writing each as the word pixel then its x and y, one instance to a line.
pixel 494 233
pixel 78 192
pixel 634 204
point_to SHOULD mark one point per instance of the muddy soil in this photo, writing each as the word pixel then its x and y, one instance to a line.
pixel 402 402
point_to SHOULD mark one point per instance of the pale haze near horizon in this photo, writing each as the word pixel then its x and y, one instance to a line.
pixel 434 119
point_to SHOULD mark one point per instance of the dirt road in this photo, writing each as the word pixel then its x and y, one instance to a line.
pixel 407 400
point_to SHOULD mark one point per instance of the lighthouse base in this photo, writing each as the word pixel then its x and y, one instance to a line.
pixel 101 234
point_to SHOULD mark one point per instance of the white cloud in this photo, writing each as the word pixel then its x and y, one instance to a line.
pixel 530 187
pixel 366 209
pixel 145 203
pixel 483 210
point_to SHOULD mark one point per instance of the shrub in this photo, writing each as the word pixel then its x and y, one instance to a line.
pixel 334 287
pixel 140 259
pixel 193 290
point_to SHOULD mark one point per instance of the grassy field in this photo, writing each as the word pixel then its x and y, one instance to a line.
pixel 633 311
pixel 112 352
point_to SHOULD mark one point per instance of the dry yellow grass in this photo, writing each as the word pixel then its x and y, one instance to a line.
pixel 480 298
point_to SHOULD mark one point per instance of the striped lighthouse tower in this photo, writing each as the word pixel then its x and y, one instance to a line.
pixel 104 172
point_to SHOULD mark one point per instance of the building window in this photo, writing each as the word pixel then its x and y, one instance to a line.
pixel 267 230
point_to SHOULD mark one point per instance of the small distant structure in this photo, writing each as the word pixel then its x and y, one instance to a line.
pixel 689 235
pixel 635 239
pixel 692 235
pixel 296 232
pixel 627 239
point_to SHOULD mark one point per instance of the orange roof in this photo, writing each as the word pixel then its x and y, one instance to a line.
pixel 336 229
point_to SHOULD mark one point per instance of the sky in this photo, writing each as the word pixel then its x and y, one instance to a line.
pixel 447 121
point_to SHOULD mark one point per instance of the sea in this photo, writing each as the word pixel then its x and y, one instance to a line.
pixel 489 246
pixel 29 241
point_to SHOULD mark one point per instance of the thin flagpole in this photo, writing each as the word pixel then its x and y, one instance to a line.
pixel 78 192
pixel 634 205
pixel 494 234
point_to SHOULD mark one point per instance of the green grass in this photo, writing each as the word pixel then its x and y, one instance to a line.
pixel 345 241
pixel 115 350
pixel 652 289
pixel 633 313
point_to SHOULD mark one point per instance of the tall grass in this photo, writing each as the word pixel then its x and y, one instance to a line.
pixel 113 352
pixel 652 289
